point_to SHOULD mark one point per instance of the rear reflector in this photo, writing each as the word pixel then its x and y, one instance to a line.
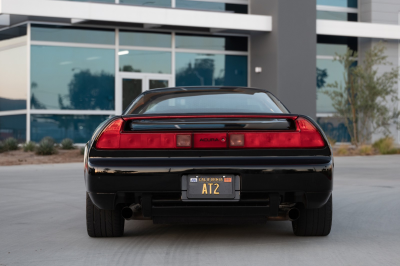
pixel 306 136
pixel 236 140
pixel 183 140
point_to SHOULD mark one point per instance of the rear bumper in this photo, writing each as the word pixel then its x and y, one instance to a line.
pixel 300 179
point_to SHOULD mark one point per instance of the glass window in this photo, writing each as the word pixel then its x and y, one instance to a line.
pixel 79 128
pixel 212 6
pixel 153 3
pixel 331 49
pixel 100 1
pixel 335 128
pixel 336 15
pixel 13 33
pixel 219 43
pixel 329 45
pixel 13 126
pixel 145 61
pixel 341 3
pixel 210 70
pixel 72 78
pixel 13 75
pixel 145 39
pixel 328 71
pixel 72 34
pixel 200 100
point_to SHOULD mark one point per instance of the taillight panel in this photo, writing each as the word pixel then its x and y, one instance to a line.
pixel 110 137
pixel 306 136
pixel 210 140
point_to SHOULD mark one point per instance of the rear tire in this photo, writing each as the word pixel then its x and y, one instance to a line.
pixel 103 223
pixel 314 222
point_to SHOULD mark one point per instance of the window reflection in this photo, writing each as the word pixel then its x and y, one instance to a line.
pixel 210 70
pixel 145 61
pixel 13 75
pixel 335 128
pixel 331 49
pixel 340 3
pixel 13 126
pixel 145 39
pixel 336 16
pixel 219 43
pixel 71 34
pixel 99 1
pixel 328 71
pixel 72 78
pixel 79 128
pixel 152 3
pixel 222 7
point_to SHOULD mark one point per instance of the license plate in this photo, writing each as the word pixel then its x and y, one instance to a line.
pixel 211 187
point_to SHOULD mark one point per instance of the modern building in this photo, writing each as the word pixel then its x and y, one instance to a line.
pixel 65 66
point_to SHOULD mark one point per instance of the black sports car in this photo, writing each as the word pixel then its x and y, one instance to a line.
pixel 208 155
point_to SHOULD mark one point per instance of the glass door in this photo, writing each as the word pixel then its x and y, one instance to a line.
pixel 131 85
pixel 131 88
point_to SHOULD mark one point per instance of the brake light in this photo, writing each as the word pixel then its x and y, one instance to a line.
pixel 310 137
pixel 110 137
pixel 305 136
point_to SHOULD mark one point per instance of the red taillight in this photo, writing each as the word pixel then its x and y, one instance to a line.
pixel 110 137
pixel 310 137
pixel 305 136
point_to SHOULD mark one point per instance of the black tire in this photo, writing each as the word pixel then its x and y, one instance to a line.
pixel 103 223
pixel 314 222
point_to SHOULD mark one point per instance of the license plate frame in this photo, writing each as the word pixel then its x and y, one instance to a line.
pixel 199 186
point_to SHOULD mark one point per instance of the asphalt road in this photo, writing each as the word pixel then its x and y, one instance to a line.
pixel 42 222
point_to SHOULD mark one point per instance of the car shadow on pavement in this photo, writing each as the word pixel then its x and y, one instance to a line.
pixel 147 228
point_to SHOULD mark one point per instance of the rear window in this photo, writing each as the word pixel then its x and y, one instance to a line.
pixel 202 101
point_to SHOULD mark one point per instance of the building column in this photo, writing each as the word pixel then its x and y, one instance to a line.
pixel 287 54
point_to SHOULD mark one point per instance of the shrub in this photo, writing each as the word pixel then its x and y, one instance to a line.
pixel 67 144
pixel 30 146
pixel 365 150
pixel 50 140
pixel 82 150
pixel 385 146
pixel 343 150
pixel 11 144
pixel 46 147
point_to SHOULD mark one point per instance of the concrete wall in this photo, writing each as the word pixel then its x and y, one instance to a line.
pixel 287 54
pixel 382 12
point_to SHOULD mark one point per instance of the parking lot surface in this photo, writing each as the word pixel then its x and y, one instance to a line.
pixel 42 222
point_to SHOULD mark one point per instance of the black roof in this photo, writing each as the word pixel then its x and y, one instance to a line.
pixel 208 88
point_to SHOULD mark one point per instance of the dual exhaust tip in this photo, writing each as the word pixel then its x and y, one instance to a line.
pixel 291 214
pixel 133 212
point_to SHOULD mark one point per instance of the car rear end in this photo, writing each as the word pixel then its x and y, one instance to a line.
pixel 178 157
